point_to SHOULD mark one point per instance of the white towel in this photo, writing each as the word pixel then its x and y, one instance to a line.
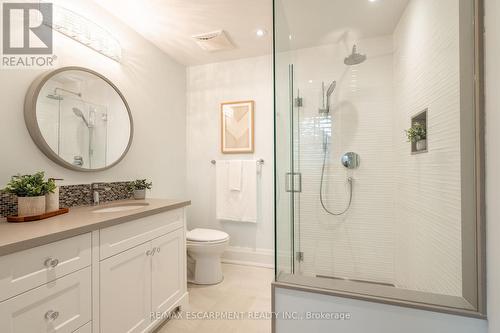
pixel 240 206
pixel 235 173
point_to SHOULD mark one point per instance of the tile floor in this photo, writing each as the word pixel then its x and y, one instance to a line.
pixel 244 289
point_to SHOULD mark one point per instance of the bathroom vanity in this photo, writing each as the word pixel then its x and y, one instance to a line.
pixel 111 269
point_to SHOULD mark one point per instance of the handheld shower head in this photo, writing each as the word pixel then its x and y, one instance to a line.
pixel 326 107
pixel 331 88
pixel 79 114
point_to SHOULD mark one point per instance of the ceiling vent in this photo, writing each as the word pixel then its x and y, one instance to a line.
pixel 214 41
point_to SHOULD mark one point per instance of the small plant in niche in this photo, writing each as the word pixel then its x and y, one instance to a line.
pixel 417 134
pixel 30 191
pixel 139 187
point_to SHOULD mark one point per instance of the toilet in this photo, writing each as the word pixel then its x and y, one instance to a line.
pixel 205 248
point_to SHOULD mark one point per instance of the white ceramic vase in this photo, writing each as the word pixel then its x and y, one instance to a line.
pixel 421 145
pixel 139 194
pixel 52 201
pixel 28 206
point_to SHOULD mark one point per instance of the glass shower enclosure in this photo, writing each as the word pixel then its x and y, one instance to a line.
pixel 376 149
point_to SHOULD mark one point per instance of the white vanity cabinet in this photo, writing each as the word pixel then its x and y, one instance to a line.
pixel 125 291
pixel 141 279
pixel 118 279
pixel 168 278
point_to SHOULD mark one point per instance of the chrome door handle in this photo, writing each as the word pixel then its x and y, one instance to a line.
pixel 293 182
pixel 51 263
pixel 51 315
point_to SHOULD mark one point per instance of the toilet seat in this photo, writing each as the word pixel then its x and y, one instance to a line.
pixel 206 236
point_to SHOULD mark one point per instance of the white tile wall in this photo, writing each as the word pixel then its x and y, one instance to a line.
pixel 428 200
pixel 404 226
pixel 359 244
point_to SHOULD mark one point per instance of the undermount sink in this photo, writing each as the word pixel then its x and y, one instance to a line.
pixel 120 208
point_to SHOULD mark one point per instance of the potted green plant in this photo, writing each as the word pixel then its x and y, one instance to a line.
pixel 417 134
pixel 30 191
pixel 139 187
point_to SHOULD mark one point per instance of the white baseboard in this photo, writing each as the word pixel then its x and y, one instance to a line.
pixel 249 257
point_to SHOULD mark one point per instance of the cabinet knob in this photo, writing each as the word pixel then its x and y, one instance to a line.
pixel 51 263
pixel 51 315
pixel 153 251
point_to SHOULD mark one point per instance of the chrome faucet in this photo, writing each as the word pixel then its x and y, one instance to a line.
pixel 95 194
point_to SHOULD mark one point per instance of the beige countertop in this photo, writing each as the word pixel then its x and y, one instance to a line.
pixel 16 237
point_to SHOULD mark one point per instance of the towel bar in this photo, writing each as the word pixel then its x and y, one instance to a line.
pixel 259 161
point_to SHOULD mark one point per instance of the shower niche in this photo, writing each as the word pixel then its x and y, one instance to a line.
pixel 420 146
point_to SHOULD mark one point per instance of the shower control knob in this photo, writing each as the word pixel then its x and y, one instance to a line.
pixel 350 160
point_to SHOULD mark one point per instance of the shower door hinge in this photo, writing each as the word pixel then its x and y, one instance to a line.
pixel 293 182
pixel 300 256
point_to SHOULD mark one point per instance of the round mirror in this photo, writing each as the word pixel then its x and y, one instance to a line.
pixel 79 119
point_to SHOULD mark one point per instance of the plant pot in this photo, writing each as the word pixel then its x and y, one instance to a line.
pixel 52 201
pixel 28 206
pixel 139 194
pixel 421 145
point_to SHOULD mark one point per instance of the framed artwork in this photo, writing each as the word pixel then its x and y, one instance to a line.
pixel 237 127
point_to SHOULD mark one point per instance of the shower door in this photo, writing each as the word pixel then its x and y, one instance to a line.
pixel 378 150
pixel 286 175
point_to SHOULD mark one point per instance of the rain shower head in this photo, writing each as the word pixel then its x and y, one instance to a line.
pixel 55 97
pixel 79 114
pixel 354 58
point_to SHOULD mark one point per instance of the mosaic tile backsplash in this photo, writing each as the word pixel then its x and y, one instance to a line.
pixel 73 196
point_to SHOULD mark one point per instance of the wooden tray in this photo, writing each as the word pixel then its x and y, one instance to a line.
pixel 20 219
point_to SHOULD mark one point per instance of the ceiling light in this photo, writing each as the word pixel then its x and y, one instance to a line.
pixel 372 0
pixel 260 32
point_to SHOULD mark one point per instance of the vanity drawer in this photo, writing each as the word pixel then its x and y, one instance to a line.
pixel 31 268
pixel 62 306
pixel 119 238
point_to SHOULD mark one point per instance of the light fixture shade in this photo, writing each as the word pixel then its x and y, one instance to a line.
pixel 86 32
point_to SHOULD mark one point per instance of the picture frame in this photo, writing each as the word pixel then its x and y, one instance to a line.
pixel 237 127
